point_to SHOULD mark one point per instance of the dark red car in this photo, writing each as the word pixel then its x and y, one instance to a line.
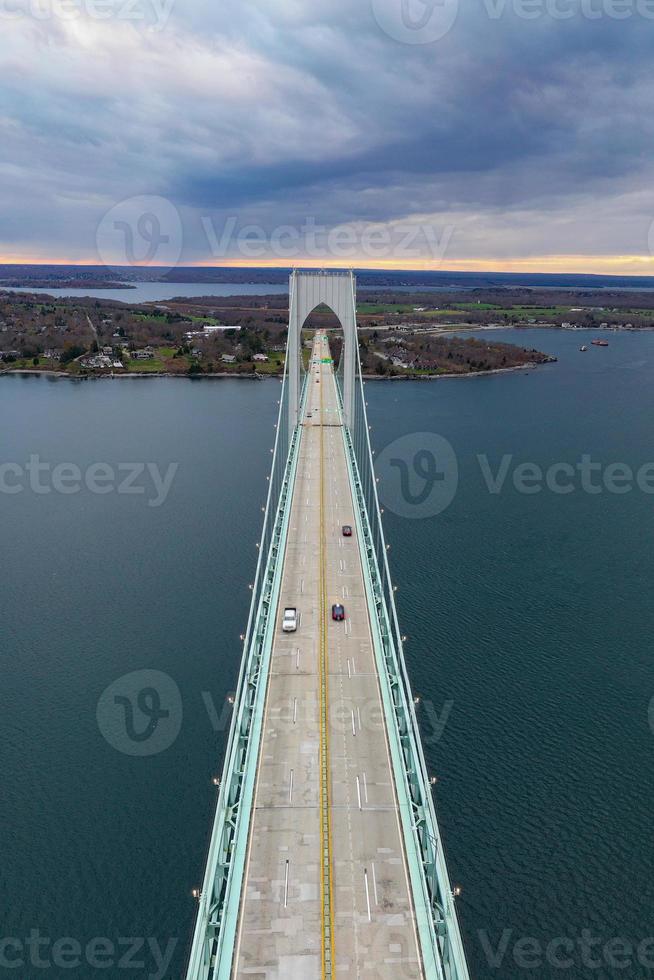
pixel 347 531
pixel 338 612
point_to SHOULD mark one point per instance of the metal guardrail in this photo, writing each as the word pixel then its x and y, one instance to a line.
pixel 442 945
pixel 216 922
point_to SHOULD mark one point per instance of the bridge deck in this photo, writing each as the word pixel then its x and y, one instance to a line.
pixel 289 912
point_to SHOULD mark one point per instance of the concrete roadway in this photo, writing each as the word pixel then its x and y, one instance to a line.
pixel 282 918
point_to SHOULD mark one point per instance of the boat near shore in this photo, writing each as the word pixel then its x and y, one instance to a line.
pixel 600 343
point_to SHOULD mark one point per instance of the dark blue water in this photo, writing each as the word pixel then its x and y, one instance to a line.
pixel 96 843
pixel 529 619
pixel 532 617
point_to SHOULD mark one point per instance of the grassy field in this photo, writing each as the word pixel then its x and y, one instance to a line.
pixel 26 364
pixel 384 308
pixel 274 364
pixel 162 354
pixel 477 306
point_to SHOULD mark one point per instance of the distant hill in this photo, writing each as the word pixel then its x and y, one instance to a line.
pixel 67 275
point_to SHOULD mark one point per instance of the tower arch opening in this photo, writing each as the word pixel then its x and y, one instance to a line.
pixel 309 291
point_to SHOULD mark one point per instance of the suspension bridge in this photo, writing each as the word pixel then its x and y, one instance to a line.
pixel 325 857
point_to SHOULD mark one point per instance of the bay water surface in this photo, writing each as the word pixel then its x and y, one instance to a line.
pixel 530 619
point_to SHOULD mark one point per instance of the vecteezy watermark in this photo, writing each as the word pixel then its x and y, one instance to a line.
pixel 564 10
pixel 43 478
pixel 141 713
pixel 148 956
pixel 565 953
pixel 153 14
pixel 586 475
pixel 418 475
pixel 426 21
pixel 416 21
pixel 142 231
pixel 310 240
pixel 368 715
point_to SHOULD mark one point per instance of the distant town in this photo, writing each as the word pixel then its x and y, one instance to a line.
pixel 402 334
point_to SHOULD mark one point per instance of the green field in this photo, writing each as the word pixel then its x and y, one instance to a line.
pixel 157 363
pixel 384 308
pixel 477 306
pixel 273 365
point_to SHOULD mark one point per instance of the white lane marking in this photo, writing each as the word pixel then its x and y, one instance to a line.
pixel 374 884
pixel 297 659
pixel 354 731
pixel 286 886
pixel 359 792
pixel 302 586
pixel 359 716
pixel 349 670
pixel 365 878
pixel 290 788
pixel 294 710
pixel 365 788
pixel 354 670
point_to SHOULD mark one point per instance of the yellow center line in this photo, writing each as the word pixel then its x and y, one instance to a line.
pixel 326 884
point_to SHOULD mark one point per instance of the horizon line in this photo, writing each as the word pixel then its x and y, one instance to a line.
pixel 626 266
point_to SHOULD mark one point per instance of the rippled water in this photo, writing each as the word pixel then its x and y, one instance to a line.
pixel 529 620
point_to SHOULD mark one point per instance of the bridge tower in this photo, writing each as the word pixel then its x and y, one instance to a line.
pixel 307 291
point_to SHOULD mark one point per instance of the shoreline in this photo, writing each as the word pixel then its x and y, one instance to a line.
pixel 528 366
pixel 63 375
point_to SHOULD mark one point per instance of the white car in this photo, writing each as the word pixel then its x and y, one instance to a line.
pixel 289 624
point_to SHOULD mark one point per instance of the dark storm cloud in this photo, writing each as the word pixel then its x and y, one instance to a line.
pixel 310 108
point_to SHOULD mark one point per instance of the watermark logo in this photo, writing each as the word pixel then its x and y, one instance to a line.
pixel 152 14
pixel 141 713
pixel 418 475
pixel 141 231
pixel 406 241
pixel 38 952
pixel 35 475
pixel 416 21
pixel 568 10
pixel 585 951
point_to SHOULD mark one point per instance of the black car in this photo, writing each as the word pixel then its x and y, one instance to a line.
pixel 347 531
pixel 338 612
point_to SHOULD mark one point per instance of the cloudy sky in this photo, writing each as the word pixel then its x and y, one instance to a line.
pixel 492 134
